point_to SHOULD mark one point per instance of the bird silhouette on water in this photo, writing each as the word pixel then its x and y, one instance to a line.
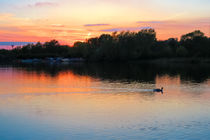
pixel 158 90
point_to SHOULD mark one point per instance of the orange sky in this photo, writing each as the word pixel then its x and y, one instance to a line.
pixel 69 21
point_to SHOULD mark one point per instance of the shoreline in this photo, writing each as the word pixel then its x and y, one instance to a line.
pixel 81 60
pixel 176 60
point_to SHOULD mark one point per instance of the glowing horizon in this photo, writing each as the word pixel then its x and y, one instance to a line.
pixel 68 21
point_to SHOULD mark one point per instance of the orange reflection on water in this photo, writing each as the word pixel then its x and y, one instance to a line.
pixel 24 82
pixel 170 84
pixel 167 80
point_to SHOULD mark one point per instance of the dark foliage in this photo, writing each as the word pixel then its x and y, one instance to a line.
pixel 123 46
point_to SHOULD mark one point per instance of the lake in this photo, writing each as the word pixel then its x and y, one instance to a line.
pixel 104 102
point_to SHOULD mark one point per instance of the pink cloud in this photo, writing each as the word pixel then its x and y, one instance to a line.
pixel 124 29
pixel 43 4
pixel 150 21
pixel 57 25
pixel 90 25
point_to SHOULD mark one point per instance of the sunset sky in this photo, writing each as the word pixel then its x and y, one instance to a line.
pixel 73 20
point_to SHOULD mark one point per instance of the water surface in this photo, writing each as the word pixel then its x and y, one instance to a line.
pixel 104 101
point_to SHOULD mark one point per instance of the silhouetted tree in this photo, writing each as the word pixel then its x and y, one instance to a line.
pixel 123 46
pixel 196 43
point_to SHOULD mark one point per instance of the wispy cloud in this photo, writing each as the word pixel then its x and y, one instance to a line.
pixel 5 16
pixel 90 25
pixel 124 29
pixel 43 4
pixel 150 21
pixel 14 43
pixel 9 28
pixel 57 25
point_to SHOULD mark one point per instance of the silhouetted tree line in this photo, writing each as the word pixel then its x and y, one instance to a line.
pixel 123 46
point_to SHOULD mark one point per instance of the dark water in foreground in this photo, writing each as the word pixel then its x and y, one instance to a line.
pixel 103 102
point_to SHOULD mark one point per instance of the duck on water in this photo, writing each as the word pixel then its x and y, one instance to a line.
pixel 158 90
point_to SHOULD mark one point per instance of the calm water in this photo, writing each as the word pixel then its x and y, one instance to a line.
pixel 104 102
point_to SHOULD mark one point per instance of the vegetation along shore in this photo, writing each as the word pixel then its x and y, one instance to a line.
pixel 123 46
